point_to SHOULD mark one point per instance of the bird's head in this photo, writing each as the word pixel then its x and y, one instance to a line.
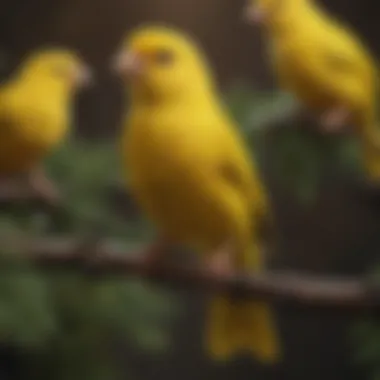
pixel 57 66
pixel 263 11
pixel 159 62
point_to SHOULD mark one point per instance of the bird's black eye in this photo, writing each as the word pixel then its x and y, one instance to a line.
pixel 164 57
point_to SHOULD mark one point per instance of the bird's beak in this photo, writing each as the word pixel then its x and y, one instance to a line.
pixel 127 63
pixel 83 76
pixel 254 14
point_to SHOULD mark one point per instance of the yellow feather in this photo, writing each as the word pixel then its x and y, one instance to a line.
pixel 35 109
pixel 190 170
pixel 319 59
pixel 325 65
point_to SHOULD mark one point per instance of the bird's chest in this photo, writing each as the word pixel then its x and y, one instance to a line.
pixel 175 199
pixel 167 171
pixel 158 153
pixel 40 122
pixel 27 134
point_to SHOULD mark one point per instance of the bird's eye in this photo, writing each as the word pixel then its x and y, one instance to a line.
pixel 164 57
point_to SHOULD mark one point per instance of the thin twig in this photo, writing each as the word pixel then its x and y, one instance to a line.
pixel 15 194
pixel 109 259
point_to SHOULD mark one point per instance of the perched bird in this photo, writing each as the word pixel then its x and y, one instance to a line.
pixel 191 173
pixel 327 67
pixel 321 61
pixel 35 114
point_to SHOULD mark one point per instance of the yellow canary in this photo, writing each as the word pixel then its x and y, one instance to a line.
pixel 326 66
pixel 190 170
pixel 36 109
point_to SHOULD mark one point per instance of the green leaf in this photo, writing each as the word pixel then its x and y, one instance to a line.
pixel 65 318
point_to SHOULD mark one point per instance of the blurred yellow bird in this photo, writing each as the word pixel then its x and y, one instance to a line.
pixel 326 66
pixel 35 113
pixel 190 171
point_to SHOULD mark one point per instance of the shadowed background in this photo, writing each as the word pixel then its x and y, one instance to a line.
pixel 324 238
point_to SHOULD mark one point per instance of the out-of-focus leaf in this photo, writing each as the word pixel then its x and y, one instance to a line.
pixel 257 110
pixel 365 336
pixel 68 317
pixel 299 158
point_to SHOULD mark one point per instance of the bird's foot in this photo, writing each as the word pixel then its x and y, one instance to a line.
pixel 43 187
pixel 153 255
pixel 220 262
pixel 335 120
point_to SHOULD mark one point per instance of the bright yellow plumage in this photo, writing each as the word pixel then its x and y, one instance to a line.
pixel 325 65
pixel 35 108
pixel 189 169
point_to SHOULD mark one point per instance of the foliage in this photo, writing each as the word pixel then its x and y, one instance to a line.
pixel 366 338
pixel 365 335
pixel 300 157
pixel 65 321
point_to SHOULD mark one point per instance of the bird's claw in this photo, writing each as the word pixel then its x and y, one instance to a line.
pixel 220 263
pixel 48 192
pixel 149 263
pixel 43 187
pixel 335 120
pixel 153 256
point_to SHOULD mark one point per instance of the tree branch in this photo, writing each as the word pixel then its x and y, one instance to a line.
pixel 107 258
pixel 15 194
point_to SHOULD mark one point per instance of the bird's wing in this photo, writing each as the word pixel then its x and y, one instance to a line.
pixel 345 71
pixel 243 177
pixel 344 54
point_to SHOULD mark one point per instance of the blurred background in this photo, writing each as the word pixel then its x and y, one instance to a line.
pixel 67 326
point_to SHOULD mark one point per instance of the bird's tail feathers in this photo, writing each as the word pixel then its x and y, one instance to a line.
pixel 239 325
